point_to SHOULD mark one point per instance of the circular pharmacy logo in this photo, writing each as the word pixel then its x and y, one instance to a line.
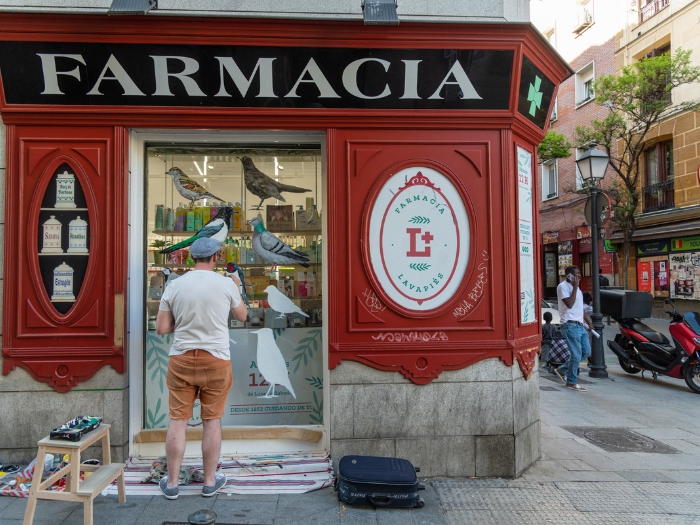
pixel 419 238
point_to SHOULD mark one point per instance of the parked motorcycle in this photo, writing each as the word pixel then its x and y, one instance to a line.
pixel 641 348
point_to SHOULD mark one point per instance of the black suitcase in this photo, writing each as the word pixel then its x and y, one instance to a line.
pixel 378 482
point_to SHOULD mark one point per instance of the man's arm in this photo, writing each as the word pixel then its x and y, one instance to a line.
pixel 165 322
pixel 240 312
pixel 588 321
pixel 569 301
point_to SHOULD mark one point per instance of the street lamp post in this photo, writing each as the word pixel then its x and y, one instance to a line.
pixel 592 165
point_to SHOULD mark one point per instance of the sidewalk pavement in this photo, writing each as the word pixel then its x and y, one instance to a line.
pixel 576 482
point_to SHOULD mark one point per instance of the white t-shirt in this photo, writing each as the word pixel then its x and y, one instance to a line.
pixel 200 301
pixel 575 313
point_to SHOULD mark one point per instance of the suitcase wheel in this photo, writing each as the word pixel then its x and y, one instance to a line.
pixel 420 503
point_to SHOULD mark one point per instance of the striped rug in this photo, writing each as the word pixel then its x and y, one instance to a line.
pixel 264 474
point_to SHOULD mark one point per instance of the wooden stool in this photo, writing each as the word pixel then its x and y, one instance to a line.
pixel 85 492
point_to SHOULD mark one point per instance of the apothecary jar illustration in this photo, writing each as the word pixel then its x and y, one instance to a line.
pixel 63 238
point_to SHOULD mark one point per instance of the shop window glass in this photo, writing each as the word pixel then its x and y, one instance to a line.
pixel 296 220
pixel 585 264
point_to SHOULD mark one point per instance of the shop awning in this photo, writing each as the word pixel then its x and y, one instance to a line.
pixel 677 229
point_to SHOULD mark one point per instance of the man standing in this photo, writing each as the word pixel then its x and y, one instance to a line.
pixel 570 302
pixel 196 308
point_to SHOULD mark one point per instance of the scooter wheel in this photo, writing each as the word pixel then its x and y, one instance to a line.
pixel 692 378
pixel 630 369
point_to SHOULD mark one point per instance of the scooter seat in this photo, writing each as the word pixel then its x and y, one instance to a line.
pixel 649 333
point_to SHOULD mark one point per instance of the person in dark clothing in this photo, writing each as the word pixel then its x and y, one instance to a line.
pixel 602 280
pixel 548 331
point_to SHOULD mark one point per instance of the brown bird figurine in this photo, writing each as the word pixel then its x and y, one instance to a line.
pixel 189 188
pixel 263 186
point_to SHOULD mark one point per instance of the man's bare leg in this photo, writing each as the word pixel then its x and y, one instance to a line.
pixel 175 441
pixel 211 448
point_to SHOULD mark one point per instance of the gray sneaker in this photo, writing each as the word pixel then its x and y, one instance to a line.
pixel 219 481
pixel 168 492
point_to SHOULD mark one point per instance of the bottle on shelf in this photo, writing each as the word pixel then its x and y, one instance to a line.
pixel 237 259
pixel 230 251
pixel 159 216
pixel 190 220
pixel 300 218
pixel 169 219
pixel 190 260
pixel 213 209
pixel 205 214
pixel 236 217
pixel 243 252
pixel 179 218
pixel 198 218
pixel 313 220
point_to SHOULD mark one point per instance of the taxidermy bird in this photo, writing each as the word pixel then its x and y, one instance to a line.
pixel 189 188
pixel 233 268
pixel 263 186
pixel 272 249
pixel 216 228
pixel 168 276
pixel 271 363
pixel 281 303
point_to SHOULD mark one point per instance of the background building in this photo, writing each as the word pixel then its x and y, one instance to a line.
pixel 583 33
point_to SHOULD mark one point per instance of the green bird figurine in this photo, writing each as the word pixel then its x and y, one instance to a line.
pixel 216 228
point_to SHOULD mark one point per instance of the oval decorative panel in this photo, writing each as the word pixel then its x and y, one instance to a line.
pixel 63 239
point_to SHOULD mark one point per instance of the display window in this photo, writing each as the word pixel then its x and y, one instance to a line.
pixel 653 276
pixel 261 190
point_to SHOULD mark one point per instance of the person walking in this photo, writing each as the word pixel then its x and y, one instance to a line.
pixel 572 314
pixel 195 307
pixel 548 331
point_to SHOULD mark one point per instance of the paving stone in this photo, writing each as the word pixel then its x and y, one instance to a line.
pixel 107 509
pixel 461 517
pixel 643 475
pixel 46 511
pixel 325 517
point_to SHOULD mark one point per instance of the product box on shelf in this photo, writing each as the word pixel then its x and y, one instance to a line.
pixel 255 318
pixel 280 218
pixel 257 283
pixel 273 319
pixel 306 284
pixel 296 320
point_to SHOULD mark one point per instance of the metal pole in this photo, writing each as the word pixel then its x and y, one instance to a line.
pixel 598 368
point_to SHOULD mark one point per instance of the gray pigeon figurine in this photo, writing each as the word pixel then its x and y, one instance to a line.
pixel 281 303
pixel 169 277
pixel 189 188
pixel 263 186
pixel 271 363
pixel 272 249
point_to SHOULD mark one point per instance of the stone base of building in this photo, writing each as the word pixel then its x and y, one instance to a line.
pixel 482 421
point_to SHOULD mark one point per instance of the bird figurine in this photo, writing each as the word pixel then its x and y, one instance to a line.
pixel 281 303
pixel 168 276
pixel 189 188
pixel 272 249
pixel 263 186
pixel 216 228
pixel 234 268
pixel 271 363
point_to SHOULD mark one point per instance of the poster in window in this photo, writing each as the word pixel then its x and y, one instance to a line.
pixel 685 275
pixel 644 276
pixel 566 256
pixel 527 266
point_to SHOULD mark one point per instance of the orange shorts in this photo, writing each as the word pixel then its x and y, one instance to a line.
pixel 198 372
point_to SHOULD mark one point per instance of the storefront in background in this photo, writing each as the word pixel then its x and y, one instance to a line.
pixel 415 218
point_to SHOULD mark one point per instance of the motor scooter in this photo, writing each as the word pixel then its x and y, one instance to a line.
pixel 641 348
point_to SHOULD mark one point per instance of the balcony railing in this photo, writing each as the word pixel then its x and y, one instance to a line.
pixel 651 9
pixel 659 196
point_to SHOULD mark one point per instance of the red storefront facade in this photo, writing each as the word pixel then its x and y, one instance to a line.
pixel 374 316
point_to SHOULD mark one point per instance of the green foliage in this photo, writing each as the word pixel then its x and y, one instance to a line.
pixel 554 146
pixel 638 99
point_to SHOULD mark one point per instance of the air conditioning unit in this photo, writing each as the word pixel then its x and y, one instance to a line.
pixel 582 19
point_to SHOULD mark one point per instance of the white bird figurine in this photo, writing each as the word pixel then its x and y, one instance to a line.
pixel 189 188
pixel 272 249
pixel 281 303
pixel 169 276
pixel 271 363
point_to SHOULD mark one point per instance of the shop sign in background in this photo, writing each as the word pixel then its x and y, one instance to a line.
pixel 527 267
pixel 245 406
pixel 652 247
pixel 685 244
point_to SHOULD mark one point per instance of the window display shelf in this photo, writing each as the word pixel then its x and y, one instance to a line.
pixel 223 265
pixel 236 233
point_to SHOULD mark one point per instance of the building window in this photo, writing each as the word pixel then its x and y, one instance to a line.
pixel 584 84
pixel 550 180
pixel 554 111
pixel 658 193
pixel 585 263
pixel 660 92
pixel 650 8
pixel 579 177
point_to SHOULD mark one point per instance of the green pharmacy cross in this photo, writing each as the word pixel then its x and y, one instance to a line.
pixel 535 95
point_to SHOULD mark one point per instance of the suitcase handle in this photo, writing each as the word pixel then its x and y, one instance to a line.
pixel 386 500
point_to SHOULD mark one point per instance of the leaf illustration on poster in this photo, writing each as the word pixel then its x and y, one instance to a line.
pixel 271 363
pixel 152 422
pixel 317 411
pixel 304 351
pixel 525 229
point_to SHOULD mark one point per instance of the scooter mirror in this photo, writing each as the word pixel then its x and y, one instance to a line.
pixel 667 301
